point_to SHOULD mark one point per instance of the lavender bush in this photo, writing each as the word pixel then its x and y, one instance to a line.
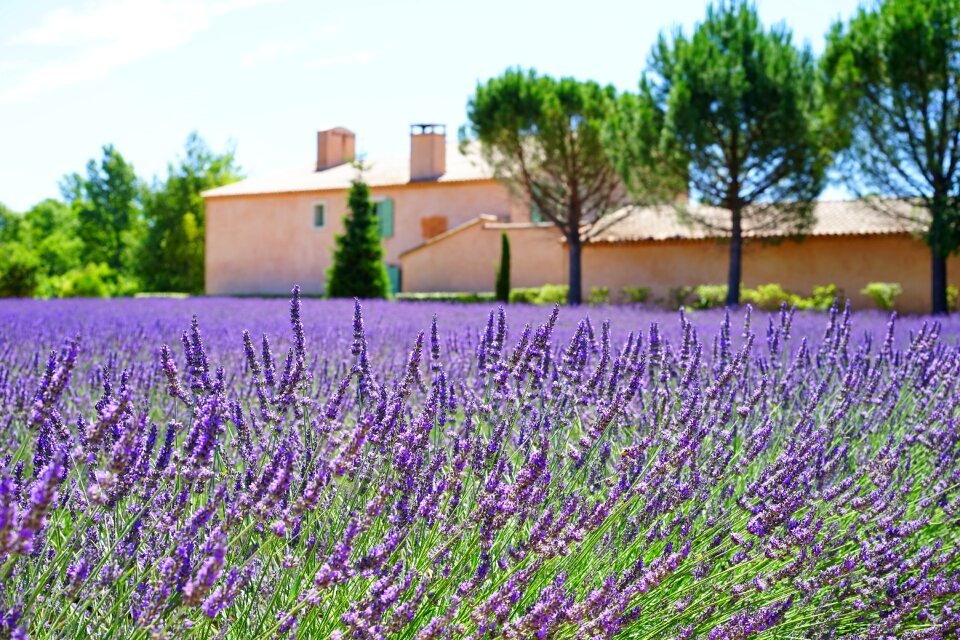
pixel 430 471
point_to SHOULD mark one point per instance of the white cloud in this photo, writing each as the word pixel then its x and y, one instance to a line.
pixel 357 57
pixel 110 35
pixel 269 51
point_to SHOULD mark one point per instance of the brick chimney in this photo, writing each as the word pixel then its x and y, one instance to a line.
pixel 428 151
pixel 335 147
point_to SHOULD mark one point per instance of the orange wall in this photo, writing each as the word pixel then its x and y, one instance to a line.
pixel 266 243
pixel 467 259
pixel 849 262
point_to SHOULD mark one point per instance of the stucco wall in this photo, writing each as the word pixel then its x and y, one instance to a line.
pixel 266 243
pixel 467 259
pixel 849 262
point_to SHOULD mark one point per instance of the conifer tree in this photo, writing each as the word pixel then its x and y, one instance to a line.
pixel 503 270
pixel 358 270
pixel 543 137
pixel 731 111
pixel 892 79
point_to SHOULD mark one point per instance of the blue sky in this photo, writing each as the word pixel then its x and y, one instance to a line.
pixel 267 74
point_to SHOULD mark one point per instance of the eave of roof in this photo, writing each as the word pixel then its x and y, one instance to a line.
pixel 378 173
pixel 483 217
pixel 836 218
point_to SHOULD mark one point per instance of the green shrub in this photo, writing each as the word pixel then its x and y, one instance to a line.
pixel 636 295
pixel 94 280
pixel 124 286
pixel 706 296
pixel 599 295
pixel 953 296
pixel 709 296
pixel 823 297
pixel 679 297
pixel 90 281
pixel 448 296
pixel 553 294
pixel 174 295
pixel 883 294
pixel 547 294
pixel 524 295
pixel 768 297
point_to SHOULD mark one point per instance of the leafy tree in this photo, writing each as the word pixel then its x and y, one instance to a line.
pixel 358 269
pixel 503 270
pixel 51 231
pixel 19 271
pixel 543 137
pixel 732 111
pixel 108 205
pixel 893 78
pixel 172 252
pixel 19 268
pixel 93 280
pixel 11 224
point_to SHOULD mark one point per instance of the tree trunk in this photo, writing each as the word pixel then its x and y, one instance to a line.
pixel 938 237
pixel 938 282
pixel 575 297
pixel 736 259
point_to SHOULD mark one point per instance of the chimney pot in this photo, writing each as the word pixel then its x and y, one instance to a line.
pixel 335 147
pixel 428 151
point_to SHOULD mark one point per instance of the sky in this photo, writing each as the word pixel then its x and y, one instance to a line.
pixel 263 76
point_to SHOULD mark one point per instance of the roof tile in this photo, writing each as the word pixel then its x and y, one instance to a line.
pixel 832 218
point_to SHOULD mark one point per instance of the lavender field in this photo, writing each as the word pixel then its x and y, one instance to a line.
pixel 310 469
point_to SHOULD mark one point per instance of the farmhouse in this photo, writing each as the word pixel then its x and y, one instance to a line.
pixel 263 234
pixel 441 214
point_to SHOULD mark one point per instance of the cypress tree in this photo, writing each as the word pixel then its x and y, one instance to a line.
pixel 503 270
pixel 358 270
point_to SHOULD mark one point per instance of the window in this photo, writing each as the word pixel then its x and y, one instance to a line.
pixel 319 215
pixel 393 274
pixel 383 209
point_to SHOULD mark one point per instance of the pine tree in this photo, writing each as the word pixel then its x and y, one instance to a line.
pixel 892 79
pixel 544 137
pixel 732 111
pixel 503 270
pixel 358 270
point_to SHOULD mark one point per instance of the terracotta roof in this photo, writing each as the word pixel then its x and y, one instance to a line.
pixel 833 218
pixel 381 172
pixel 652 224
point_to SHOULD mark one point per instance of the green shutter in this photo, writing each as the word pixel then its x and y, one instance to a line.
pixel 535 214
pixel 393 273
pixel 385 217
